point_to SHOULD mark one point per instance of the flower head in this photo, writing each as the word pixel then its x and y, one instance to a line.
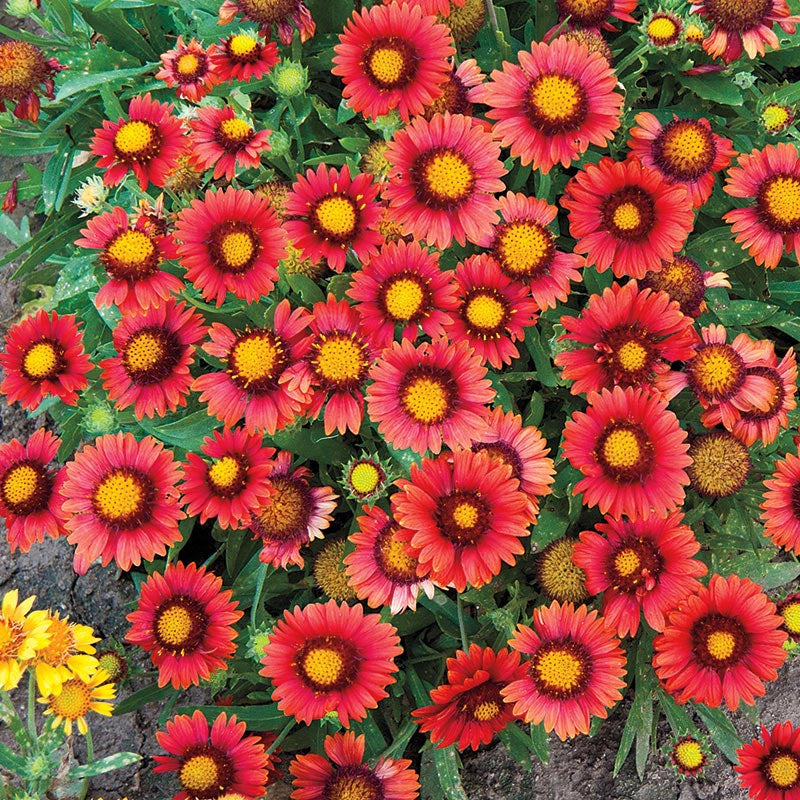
pixel 769 768
pixel 23 634
pixel 24 70
pixel 242 57
pixel 286 15
pixel 720 464
pixel 689 756
pixel 557 574
pixel 781 506
pixel 595 13
pixel 77 698
pixel 69 653
pixel 683 280
pixel 190 69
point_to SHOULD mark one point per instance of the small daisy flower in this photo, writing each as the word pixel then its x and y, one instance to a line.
pixel 242 57
pixel 189 68
pixel 689 756
pixel 77 698
pixel 24 633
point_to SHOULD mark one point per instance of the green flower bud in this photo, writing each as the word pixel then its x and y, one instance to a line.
pixel 289 79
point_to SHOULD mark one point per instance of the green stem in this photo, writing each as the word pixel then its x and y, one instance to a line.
pixel 262 576
pixel 32 705
pixel 281 736
pixel 461 626
pixel 89 760
pixel 301 151
pixel 213 557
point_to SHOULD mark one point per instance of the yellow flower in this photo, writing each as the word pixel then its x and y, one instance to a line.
pixel 67 655
pixel 77 698
pixel 22 634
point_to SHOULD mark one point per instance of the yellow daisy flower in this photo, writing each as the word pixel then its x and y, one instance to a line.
pixel 77 698
pixel 69 653
pixel 22 634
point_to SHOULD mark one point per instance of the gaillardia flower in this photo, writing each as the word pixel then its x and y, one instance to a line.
pixel 30 499
pixel 120 501
pixel 148 143
pixel 558 576
pixel 365 477
pixel 423 397
pixel 329 212
pixel 190 69
pixel 663 29
pixel 464 516
pixel 23 71
pixel 771 224
pixel 185 621
pixel 781 506
pixel 574 672
pixel 262 380
pixel 689 756
pixel 212 761
pixel 721 643
pixel 44 356
pixel 525 248
pixel 626 216
pixel 445 173
pixel 155 349
pixel 222 140
pixel 24 633
pixel 330 658
pixel 242 57
pixel 743 25
pixel 132 255
pixel 469 710
pixel 231 241
pixel 789 609
pixel 645 566
pixel 458 91
pixel 231 482
pixel 382 569
pixel 295 513
pixel 683 151
pixel 595 13
pixel 720 464
pixel 770 768
pixel 329 572
pixel 69 654
pixel 392 56
pixel 345 775
pixel 286 15
pixel 632 452
pixel 626 337
pixel 548 109
pixel 683 280
pixel 77 698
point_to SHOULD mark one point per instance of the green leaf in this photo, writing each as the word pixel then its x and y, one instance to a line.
pixel 115 77
pixel 11 761
pixel 149 694
pixel 107 764
pixel 518 744
pixel 447 765
pixel 258 718
pixel 187 433
pixel 715 87
pixel 680 722
pixel 721 729
pixel 540 743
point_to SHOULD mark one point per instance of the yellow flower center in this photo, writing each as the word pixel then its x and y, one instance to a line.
pixel 404 299
pixel 131 247
pixel 336 216
pixel 694 33
pixel 486 711
pixel 782 200
pixel 242 45
pixel 720 645
pixel 676 273
pixel 626 562
pixel 387 64
pixel 255 359
pixel 686 149
pixel 199 773
pixel 20 484
pixel 358 786
pixel 560 578
pixel 187 64
pixel 323 665
pixel 716 369
pixel 395 556
pixel 559 670
pixel 41 360
pixel 556 98
pixel 330 574
pixel 143 352
pixel 11 637
pixel 340 359
pixel 783 771
pixel 364 478
pixel 626 216
pixel 60 646
pixel 485 311
pixel 720 464
pixel 174 625
pixel 621 449
pixel 118 496
pixel 774 117
pixel 689 754
pixel 237 130
pixel 237 248
pixel 523 247
pixel 631 356
pixel 285 512
pixel 224 472
pixel 133 137
pixel 662 29
pixel 426 400
pixel 465 515
pixel 447 175
pixel 791 617
pixel 74 701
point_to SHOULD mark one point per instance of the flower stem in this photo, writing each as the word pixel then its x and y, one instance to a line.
pixel 461 626
pixel 89 760
pixel 262 576
pixel 32 706
pixel 281 736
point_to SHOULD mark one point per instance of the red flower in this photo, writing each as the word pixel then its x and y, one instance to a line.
pixel 770 769
pixel 190 68
pixel 463 515
pixel 23 71
pixel 382 569
pixel 261 381
pixel 294 514
pixel 721 642
pixel 30 500
pixel 459 91
pixel 781 506
pixel 626 216
pixel 425 396
pixel 185 621
pixel 629 336
pixel 559 99
pixel 242 57
pixel 10 200
pixel 132 255
pixel 285 14
pixel 493 313
pixel 403 285
pixel 525 248
pixel 155 349
pixel 210 762
pixel 595 13
pixel 469 710
pixel 574 673
pixel 44 356
pixel 771 225
pixel 645 566
pixel 316 778
pixel 444 176
pixel 632 452
pixel 392 56
pixel 231 242
pixel 120 501
pixel 683 151
pixel 148 144
pixel 222 140
pixel 330 213
pixel 330 658
pixel 233 483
